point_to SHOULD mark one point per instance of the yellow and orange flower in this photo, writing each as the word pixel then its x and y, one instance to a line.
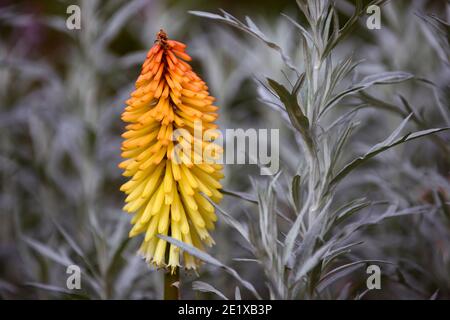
pixel 167 187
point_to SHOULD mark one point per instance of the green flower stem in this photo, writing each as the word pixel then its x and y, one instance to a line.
pixel 172 292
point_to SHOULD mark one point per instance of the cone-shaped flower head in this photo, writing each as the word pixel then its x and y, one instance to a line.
pixel 170 156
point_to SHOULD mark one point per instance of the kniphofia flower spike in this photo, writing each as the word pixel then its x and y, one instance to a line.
pixel 166 189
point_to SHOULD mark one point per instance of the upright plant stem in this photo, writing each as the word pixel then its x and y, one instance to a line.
pixel 171 292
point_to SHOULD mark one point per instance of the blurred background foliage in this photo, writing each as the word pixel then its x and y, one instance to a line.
pixel 61 95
